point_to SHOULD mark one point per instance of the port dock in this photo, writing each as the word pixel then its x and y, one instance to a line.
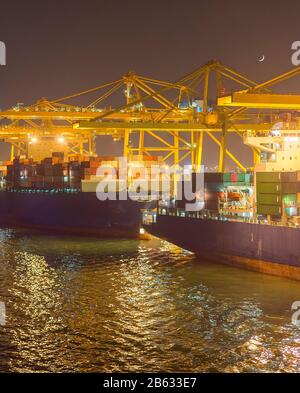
pixel 165 124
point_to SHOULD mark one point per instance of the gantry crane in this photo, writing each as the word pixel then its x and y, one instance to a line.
pixel 152 116
pixel 186 124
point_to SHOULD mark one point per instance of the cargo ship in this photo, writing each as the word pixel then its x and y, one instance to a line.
pixel 250 220
pixel 60 196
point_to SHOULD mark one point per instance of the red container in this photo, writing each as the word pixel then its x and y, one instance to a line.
pixel 234 177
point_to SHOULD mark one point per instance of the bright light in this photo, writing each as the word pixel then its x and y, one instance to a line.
pixel 276 132
pixel 61 139
pixel 34 139
pixel 142 231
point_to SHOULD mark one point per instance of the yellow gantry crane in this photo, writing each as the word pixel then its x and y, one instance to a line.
pixel 153 117
pixel 182 119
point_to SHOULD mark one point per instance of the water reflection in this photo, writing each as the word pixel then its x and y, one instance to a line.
pixel 123 305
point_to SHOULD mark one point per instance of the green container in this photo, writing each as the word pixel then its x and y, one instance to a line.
pixel 268 188
pixel 227 177
pixel 269 199
pixel 269 210
pixel 241 177
pixel 268 177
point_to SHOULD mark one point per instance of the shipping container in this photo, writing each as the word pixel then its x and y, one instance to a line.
pixel 48 171
pixel 241 177
pixel 47 161
pixel 234 177
pixel 95 164
pixel 57 170
pixel 268 177
pixel 227 177
pixel 289 188
pixel 268 188
pixel 289 177
pixel 211 177
pixel 269 199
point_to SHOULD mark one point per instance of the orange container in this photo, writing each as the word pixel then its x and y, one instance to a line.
pixel 95 164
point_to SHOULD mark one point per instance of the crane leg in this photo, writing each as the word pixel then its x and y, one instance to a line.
pixel 223 148
pixel 199 149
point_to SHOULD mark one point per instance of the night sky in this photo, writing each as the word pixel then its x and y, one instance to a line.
pixel 58 47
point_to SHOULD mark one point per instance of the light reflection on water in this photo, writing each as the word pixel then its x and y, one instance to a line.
pixel 123 305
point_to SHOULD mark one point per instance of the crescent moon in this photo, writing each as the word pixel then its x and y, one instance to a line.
pixel 262 59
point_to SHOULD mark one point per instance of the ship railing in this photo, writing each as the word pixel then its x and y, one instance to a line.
pixel 217 215
pixel 203 214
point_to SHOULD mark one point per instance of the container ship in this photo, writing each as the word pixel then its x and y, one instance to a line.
pixel 61 196
pixel 250 220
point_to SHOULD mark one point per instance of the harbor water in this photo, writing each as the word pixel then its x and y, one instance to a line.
pixel 88 305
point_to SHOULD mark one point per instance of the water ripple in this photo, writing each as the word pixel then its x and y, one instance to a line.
pixel 122 305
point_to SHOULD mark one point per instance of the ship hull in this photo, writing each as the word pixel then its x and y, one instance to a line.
pixel 79 213
pixel 265 248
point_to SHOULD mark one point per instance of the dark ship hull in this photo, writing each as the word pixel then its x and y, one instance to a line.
pixel 78 213
pixel 265 248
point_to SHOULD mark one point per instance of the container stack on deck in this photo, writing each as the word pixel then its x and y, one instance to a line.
pixel 278 193
pixel 78 174
pixel 52 173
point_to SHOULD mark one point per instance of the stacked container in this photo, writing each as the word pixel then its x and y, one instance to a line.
pixel 276 191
